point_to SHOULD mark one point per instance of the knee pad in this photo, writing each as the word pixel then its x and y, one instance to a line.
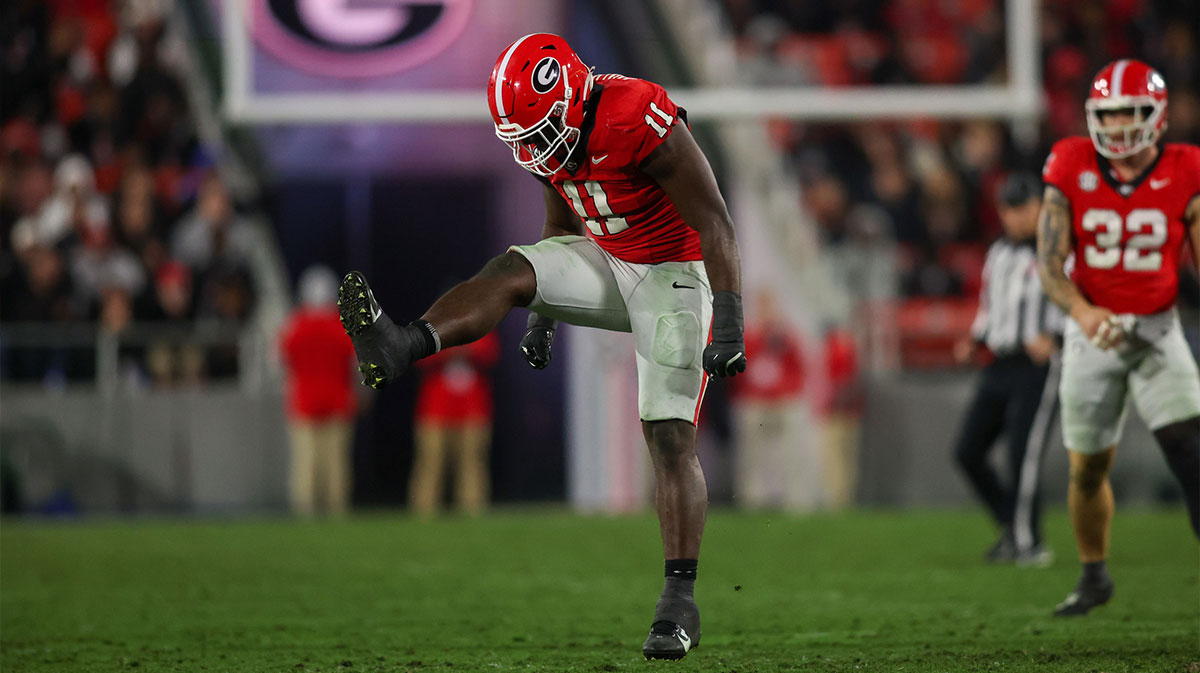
pixel 676 340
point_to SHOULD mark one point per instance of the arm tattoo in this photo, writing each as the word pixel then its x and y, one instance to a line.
pixel 1054 245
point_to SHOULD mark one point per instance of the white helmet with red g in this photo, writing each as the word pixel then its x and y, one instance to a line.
pixel 1130 85
pixel 536 94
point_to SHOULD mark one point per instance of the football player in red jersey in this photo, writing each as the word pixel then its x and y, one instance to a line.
pixel 1123 204
pixel 637 239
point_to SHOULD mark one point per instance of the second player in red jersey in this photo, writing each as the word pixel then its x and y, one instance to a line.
pixel 1122 204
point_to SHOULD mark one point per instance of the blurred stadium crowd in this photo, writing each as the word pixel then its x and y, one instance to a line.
pixel 110 209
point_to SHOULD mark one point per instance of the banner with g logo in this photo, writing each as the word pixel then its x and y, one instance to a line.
pixel 345 38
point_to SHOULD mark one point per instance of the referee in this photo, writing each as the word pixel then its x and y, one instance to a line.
pixel 1018 391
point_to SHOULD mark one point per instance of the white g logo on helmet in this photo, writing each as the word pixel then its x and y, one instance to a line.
pixel 546 74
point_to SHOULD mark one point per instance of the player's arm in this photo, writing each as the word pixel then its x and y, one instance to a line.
pixel 538 341
pixel 1192 217
pixel 1054 246
pixel 681 169
pixel 560 219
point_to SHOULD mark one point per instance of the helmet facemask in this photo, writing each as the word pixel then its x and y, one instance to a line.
pixel 543 148
pixel 1125 140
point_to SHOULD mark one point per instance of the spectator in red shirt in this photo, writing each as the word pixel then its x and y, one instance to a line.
pixel 319 359
pixel 841 412
pixel 773 467
pixel 454 423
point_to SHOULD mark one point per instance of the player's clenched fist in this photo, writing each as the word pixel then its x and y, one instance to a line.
pixel 538 339
pixel 1104 329
pixel 725 355
pixel 1109 334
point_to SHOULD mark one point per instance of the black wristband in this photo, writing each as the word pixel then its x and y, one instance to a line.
pixel 536 320
pixel 727 322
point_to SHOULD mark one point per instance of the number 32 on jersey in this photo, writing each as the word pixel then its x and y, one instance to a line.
pixel 1142 252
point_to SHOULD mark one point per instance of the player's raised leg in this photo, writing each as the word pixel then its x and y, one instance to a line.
pixel 1090 501
pixel 681 500
pixel 474 307
pixel 465 313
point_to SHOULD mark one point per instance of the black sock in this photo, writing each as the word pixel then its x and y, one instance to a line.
pixel 429 343
pixel 1095 572
pixel 677 604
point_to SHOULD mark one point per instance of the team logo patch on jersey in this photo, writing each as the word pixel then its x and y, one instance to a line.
pixel 1089 181
pixel 546 74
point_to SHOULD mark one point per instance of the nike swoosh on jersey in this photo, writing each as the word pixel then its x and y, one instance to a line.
pixel 1159 184
pixel 596 160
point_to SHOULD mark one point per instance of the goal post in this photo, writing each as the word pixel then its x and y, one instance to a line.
pixel 1017 100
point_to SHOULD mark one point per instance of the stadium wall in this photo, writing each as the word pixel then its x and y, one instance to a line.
pixel 202 451
pixel 906 455
pixel 220 450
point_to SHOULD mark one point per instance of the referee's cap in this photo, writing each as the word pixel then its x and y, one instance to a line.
pixel 1019 188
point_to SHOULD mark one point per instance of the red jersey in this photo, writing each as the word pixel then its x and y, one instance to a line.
pixel 626 212
pixel 455 387
pixel 778 371
pixel 319 358
pixel 1128 236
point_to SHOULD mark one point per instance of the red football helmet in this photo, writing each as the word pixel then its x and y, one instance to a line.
pixel 536 94
pixel 1127 85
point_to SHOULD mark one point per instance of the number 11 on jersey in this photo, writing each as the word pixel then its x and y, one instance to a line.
pixel 605 222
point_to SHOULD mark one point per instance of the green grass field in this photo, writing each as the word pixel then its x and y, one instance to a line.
pixel 546 590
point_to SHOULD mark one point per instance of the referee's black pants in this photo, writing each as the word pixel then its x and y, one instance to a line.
pixel 1018 399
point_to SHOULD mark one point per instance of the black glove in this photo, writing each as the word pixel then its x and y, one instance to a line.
pixel 725 355
pixel 539 337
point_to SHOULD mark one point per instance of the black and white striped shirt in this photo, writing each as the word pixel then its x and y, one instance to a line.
pixel 1013 309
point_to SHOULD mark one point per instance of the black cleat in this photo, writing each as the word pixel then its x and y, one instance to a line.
pixel 676 629
pixel 1085 597
pixel 668 640
pixel 384 350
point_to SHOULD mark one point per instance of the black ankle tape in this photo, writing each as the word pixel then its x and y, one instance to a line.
pixel 682 568
pixel 433 343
